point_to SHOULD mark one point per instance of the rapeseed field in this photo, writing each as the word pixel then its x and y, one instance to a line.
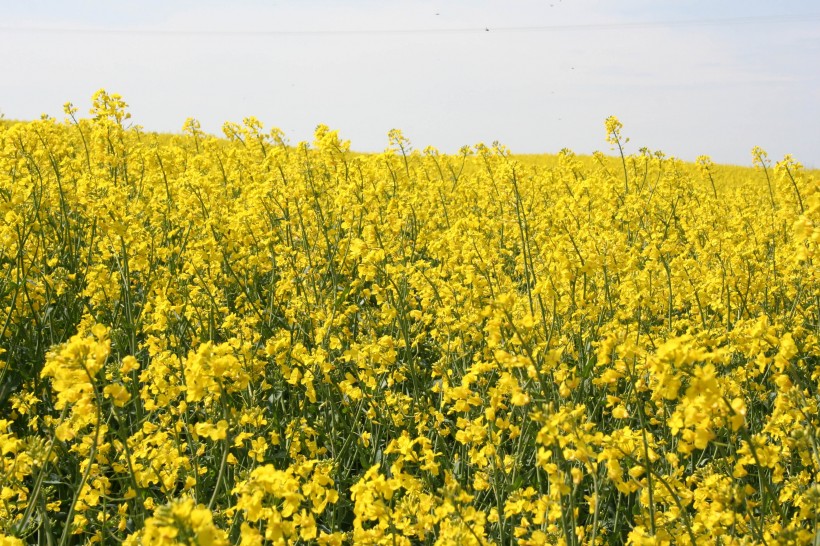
pixel 240 340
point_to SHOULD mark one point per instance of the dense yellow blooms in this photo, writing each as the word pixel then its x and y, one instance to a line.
pixel 240 340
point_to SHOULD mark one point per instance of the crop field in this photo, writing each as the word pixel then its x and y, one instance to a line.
pixel 242 340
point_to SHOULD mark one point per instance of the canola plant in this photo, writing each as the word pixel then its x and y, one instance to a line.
pixel 239 340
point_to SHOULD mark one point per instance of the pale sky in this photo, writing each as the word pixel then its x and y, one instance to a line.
pixel 688 77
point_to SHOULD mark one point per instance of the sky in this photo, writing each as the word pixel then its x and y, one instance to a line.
pixel 687 77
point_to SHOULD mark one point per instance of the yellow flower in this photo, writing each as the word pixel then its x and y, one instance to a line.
pixel 214 432
pixel 619 412
pixel 118 393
